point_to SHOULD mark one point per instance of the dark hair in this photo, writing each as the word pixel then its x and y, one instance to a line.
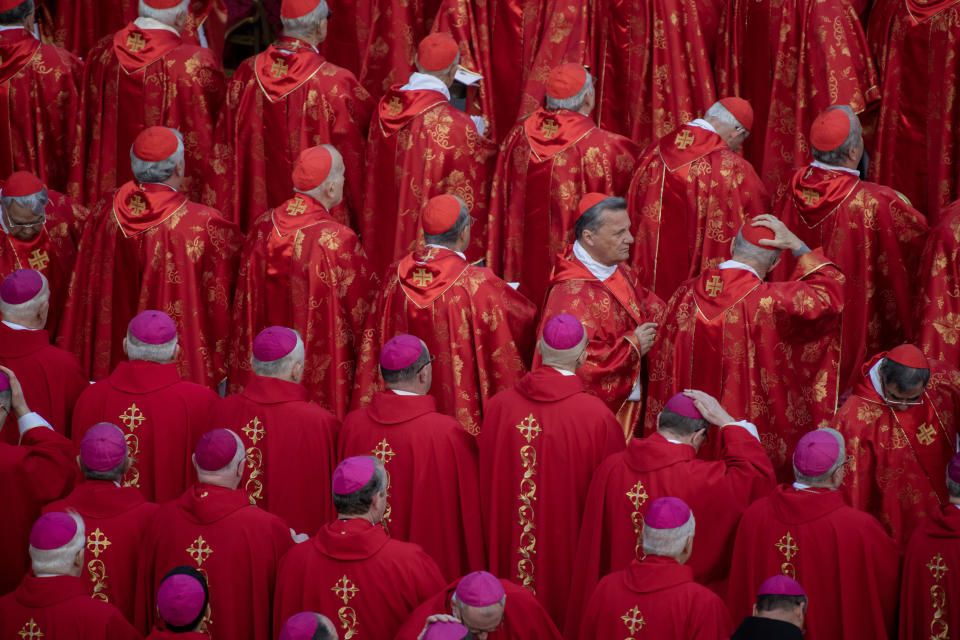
pixel 199 577
pixel 407 373
pixel 110 475
pixel 901 376
pixel 776 602
pixel 680 425
pixel 17 15
pixel 592 218
pixel 450 236
pixel 358 502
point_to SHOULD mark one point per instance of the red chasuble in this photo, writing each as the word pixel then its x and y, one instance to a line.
pixel 79 24
pixel 548 162
pixel 148 247
pixel 479 329
pixel 540 444
pixel 345 45
pixel 164 634
pixel 161 417
pixel 396 28
pixel 929 606
pixel 291 450
pixel 876 239
pixel 609 310
pixel 60 607
pixel 236 545
pixel 420 146
pixel 938 310
pixel 39 97
pixel 43 468
pixel 431 461
pixel 623 487
pixel 51 378
pixel 278 103
pixel 847 564
pixel 116 520
pixel 767 351
pixel 300 269
pixel 918 131
pixel 365 582
pixel 689 198
pixel 523 617
pixel 896 472
pixel 141 78
pixel 792 59
pixel 654 598
pixel 208 17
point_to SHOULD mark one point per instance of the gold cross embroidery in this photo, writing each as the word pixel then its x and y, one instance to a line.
pixel 937 567
pixel 199 550
pixel 254 430
pixel 787 546
pixel 30 630
pixel 132 417
pixel 422 277
pixel 549 128
pixel 685 139
pixel 395 106
pixel 97 542
pixel 714 286
pixel 135 42
pixel 925 434
pixel 383 451
pixel 39 259
pixel 136 204
pixel 279 69
pixel 344 589
pixel 296 207
pixel 529 428
pixel 810 197
pixel 633 619
pixel 637 495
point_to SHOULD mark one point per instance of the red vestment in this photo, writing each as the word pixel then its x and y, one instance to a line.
pixel 791 59
pixel 899 457
pixel 767 351
pixel 39 97
pixel 365 582
pixel 60 607
pixel 421 448
pixel 395 29
pixel 345 45
pixel 148 247
pixel 291 449
pixel 41 469
pixel 140 78
pixel 278 103
pixel 208 17
pixel 80 24
pixel 420 146
pixel 690 192
pixel 625 485
pixel 479 329
pixel 654 598
pixel 610 310
pixel 523 617
pixel 930 584
pixel 161 416
pixel 235 544
pixel 116 520
pixel 847 564
pixel 302 270
pixel 876 239
pixel 540 444
pixel 164 634
pixel 548 162
pixel 938 310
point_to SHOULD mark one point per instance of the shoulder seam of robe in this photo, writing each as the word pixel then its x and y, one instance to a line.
pixel 266 94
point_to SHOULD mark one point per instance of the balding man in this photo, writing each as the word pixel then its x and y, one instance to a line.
pixel 778 614
pixel 214 528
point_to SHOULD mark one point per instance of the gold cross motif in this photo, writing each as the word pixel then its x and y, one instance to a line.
pixel 529 428
pixel 135 42
pixel 395 106
pixel 714 286
pixel 136 204
pixel 810 197
pixel 344 589
pixel 684 140
pixel 39 259
pixel 925 434
pixel 199 551
pixel 549 128
pixel 383 451
pixel 422 277
pixel 97 542
pixel 937 567
pixel 30 630
pixel 296 207
pixel 132 417
pixel 279 69
pixel 638 495
pixel 254 430
pixel 633 619
pixel 787 546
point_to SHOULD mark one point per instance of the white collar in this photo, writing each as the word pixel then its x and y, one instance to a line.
pixel 315 50
pixel 733 264
pixel 703 124
pixel 875 379
pixel 150 23
pixel 830 167
pixel 440 246
pixel 600 271
pixel 16 26
pixel 799 486
pixel 420 81
pixel 563 372
pixel 17 327
pixel 401 392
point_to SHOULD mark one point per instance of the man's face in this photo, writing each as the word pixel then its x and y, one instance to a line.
pixel 22 223
pixel 338 183
pixel 480 622
pixel 610 243
pixel 902 399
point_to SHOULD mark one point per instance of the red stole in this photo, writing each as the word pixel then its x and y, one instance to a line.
pixel 135 48
pixel 142 207
pixel 689 143
pixel 550 132
pixel 285 66
pixel 923 10
pixel 425 275
pixel 817 193
pixel 397 107
pixel 568 267
pixel 39 593
pixel 353 539
pixel 299 212
pixel 16 50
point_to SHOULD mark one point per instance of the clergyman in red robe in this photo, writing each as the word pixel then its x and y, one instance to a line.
pixel 850 566
pixel 389 53
pixel 937 324
pixel 214 528
pixel 420 449
pixel 548 162
pixel 544 437
pixel 352 567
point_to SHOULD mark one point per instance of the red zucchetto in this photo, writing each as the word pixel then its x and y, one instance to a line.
pixel 588 200
pixel 311 168
pixel 739 109
pixel 440 214
pixel 909 356
pixel 830 130
pixel 154 144
pixel 437 52
pixel 566 81
pixel 22 183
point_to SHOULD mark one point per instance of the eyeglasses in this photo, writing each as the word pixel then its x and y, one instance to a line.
pixel 475 631
pixel 896 400
pixel 31 225
pixel 430 361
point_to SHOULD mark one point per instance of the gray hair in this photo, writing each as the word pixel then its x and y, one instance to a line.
pixel 574 102
pixel 358 502
pixel 35 202
pixel 592 218
pixel 450 236
pixel 166 16
pixel 17 15
pixel 230 466
pixel 60 561
pixel 139 350
pixel 746 249
pixel 953 488
pixel 904 377
pixel 110 475
pixel 337 171
pixel 280 366
pixel 720 113
pixel 838 155
pixel 306 24
pixel 489 609
pixel 6 400
pixel 160 170
pixel 667 542
pixel 824 478
pixel 441 72
pixel 28 309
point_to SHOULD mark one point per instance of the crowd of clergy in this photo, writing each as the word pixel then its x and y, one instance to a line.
pixel 480 319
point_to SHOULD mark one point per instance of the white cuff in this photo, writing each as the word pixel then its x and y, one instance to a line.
pixel 749 426
pixel 30 420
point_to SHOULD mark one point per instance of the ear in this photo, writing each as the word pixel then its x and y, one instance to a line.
pixel 322 30
pixel 176 352
pixel 125 352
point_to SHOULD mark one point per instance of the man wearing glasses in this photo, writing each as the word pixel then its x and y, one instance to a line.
pixel 899 423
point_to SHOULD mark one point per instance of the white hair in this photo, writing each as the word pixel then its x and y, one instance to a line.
pixel 28 309
pixel 574 102
pixel 824 478
pixel 166 16
pixel 230 466
pixel 146 171
pixel 60 561
pixel 489 609
pixel 282 366
pixel 36 203
pixel 306 24
pixel 667 542
pixel 719 112
pixel 838 155
pixel 441 72
pixel 139 350
pixel 337 171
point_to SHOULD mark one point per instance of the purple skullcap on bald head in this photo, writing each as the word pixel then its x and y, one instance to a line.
pixel 780 585
pixel 22 285
pixel 443 630
pixel 52 531
pixel 353 474
pixel 816 453
pixel 153 327
pixel 180 599
pixel 562 332
pixel 953 469
pixel 480 589
pixel 400 352
pixel 103 447
pixel 683 406
pixel 274 343
pixel 667 513
pixel 216 449
pixel 305 625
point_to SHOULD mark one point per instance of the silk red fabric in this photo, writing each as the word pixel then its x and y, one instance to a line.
pixel 80 24
pixel 387 55
pixel 345 45
pixel 420 447
pixel 937 322
pixel 927 608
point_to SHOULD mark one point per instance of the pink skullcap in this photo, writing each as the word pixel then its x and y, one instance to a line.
pixel 216 449
pixel 180 599
pixel 153 327
pixel 683 406
pixel 909 356
pixel 154 144
pixel 52 531
pixel 274 343
pixel 816 453
pixel 667 513
pixel 4 381
pixel 588 200
pixel 103 447
pixel 21 285
pixel 563 332
pixel 442 630
pixel 953 469
pixel 305 625
pixel 780 585
pixel 400 352
pixel 480 589
pixel 22 183
pixel 353 474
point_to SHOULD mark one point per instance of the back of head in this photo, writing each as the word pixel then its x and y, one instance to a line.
pixel 302 18
pixel 818 455
pixel 446 630
pixel 276 352
pixel 444 218
pixel 13 12
pixel 667 526
pixel 169 12
pixel 182 599
pixel 152 336
pixel 480 600
pixel 25 191
pixel 55 541
pixel 356 481
pixel 218 457
pixel 402 358
pixel 568 87
pixel 155 154
pixel 747 250
pixel 563 341
pixel 438 55
pixel 680 417
pixel 103 452
pixel 779 598
pixel 735 113
pixel 833 134
pixel 315 170
pixel 308 625
pixel 24 298
pixel 905 367
pixel 592 216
